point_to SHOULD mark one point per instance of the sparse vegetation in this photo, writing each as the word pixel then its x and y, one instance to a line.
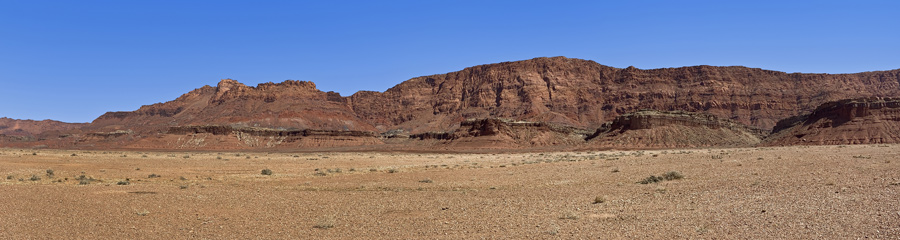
pixel 651 179
pixel 672 175
pixel 84 180
pixel 49 173
pixel 426 181
pixel 34 178
pixel 153 175
pixel 325 222
pixel 570 216
pixel 599 199
pixel 123 183
pixel 266 172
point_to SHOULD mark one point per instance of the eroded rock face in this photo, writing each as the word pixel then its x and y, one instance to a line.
pixel 658 129
pixel 556 91
pixel 849 121
pixel 586 94
pixel 290 104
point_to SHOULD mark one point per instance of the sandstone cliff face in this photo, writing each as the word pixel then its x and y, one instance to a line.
pixel 585 94
pixel 849 121
pixel 655 129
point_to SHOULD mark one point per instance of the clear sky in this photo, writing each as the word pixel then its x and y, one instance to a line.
pixel 75 60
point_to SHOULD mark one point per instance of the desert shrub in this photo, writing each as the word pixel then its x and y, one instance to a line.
pixel 673 175
pixel 599 199
pixel 153 175
pixel 569 216
pixel 325 223
pixel 50 173
pixel 266 172
pixel 426 181
pixel 9 177
pixel 186 156
pixel 123 183
pixel 84 180
pixel 34 178
pixel 651 179
pixel 74 155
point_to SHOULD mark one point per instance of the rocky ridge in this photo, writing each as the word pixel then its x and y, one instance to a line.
pixel 677 129
pixel 32 128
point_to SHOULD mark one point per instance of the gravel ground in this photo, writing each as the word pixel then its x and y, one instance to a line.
pixel 823 192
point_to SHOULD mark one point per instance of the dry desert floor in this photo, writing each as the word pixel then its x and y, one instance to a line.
pixel 822 192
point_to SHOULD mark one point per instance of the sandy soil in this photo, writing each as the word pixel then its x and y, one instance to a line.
pixel 824 192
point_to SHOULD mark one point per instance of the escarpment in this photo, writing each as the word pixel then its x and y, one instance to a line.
pixel 521 104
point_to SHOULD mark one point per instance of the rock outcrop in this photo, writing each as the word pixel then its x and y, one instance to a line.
pixel 495 133
pixel 656 129
pixel 849 121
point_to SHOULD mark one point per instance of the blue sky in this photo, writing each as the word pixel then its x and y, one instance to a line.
pixel 75 60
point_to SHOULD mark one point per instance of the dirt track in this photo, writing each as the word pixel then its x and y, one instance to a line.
pixel 830 192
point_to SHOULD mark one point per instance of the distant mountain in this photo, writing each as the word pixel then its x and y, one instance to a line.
pixel 30 128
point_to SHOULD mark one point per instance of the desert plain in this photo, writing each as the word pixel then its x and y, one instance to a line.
pixel 797 192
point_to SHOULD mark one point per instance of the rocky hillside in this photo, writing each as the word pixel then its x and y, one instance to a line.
pixel 656 129
pixel 850 121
